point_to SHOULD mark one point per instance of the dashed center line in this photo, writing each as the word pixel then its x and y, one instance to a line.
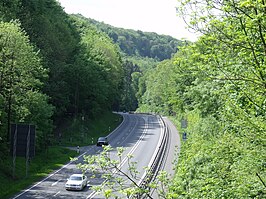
pixel 57 193
pixel 55 183
pixel 126 158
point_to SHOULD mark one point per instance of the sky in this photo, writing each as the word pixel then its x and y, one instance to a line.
pixel 146 15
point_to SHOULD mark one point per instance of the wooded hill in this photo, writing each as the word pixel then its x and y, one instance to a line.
pixel 55 65
pixel 139 43
pixel 218 85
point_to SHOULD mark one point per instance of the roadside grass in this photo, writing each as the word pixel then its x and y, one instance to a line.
pixel 79 132
pixel 83 132
pixel 40 166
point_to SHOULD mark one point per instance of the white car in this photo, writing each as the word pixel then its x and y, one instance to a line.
pixel 76 182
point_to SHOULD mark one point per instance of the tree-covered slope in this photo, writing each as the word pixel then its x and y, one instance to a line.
pixel 138 43
pixel 218 85
pixel 67 71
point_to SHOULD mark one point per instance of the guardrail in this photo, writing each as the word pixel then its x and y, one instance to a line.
pixel 158 162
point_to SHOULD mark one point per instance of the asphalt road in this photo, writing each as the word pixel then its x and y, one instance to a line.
pixel 138 134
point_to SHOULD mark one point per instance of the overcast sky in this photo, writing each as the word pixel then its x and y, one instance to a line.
pixel 146 15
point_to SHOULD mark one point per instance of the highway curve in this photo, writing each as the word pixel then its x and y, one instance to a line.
pixel 139 134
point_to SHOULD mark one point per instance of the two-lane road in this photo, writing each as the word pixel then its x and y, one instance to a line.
pixel 138 134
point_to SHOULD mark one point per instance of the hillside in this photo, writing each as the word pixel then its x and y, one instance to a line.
pixel 138 43
pixel 140 51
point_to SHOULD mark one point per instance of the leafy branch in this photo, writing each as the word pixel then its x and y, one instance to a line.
pixel 117 181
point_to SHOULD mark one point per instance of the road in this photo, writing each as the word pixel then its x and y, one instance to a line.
pixel 139 134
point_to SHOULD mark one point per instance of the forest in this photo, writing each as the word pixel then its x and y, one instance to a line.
pixel 55 66
pixel 58 69
pixel 74 68
pixel 51 68
pixel 218 86
pixel 142 44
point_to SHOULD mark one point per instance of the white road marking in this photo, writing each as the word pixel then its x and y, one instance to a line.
pixel 55 183
pixel 30 189
pixel 130 153
pixel 155 151
pixel 57 193
pixel 47 177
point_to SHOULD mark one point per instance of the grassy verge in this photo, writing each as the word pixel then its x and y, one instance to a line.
pixel 83 132
pixel 78 132
pixel 40 166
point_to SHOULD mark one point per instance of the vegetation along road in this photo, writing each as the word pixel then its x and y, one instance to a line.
pixel 138 134
pixel 64 75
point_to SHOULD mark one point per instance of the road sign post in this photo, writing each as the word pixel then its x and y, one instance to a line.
pixel 22 143
pixel 28 152
pixel 184 125
pixel 184 136
pixel 14 150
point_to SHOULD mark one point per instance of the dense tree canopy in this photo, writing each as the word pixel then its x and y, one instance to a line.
pixel 50 30
pixel 218 85
pixel 80 68
pixel 53 65
pixel 21 80
pixel 99 70
pixel 138 43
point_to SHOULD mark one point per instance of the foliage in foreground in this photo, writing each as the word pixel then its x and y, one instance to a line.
pixel 218 85
pixel 216 164
pixel 122 183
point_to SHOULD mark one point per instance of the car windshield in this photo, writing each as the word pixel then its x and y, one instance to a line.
pixel 102 139
pixel 78 178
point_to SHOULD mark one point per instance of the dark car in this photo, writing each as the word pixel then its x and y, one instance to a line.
pixel 102 141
